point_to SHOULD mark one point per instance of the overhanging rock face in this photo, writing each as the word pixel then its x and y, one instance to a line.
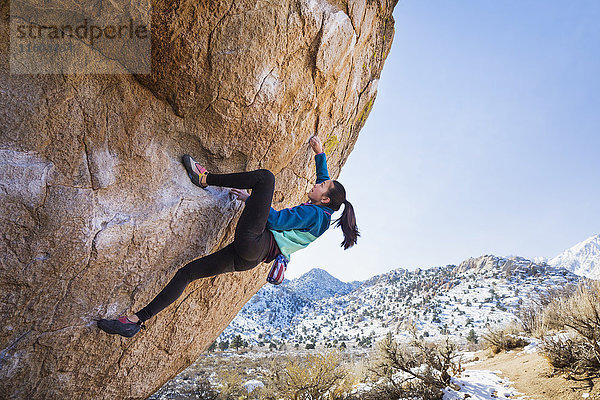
pixel 98 213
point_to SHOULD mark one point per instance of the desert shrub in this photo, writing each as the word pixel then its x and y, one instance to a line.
pixel 319 376
pixel 203 390
pixel 231 386
pixel 576 353
pixel 415 370
pixel 572 355
pixel 504 338
pixel 532 316
pixel 197 387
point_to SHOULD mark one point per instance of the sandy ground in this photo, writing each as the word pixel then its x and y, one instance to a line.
pixel 532 375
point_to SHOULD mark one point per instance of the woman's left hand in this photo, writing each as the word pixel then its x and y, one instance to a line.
pixel 240 194
pixel 316 144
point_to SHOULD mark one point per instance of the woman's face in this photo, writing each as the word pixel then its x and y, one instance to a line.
pixel 318 194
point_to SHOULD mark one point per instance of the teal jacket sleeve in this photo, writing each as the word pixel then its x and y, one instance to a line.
pixel 321 164
pixel 287 219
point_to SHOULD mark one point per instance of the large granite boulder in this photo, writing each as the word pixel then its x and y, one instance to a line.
pixel 97 211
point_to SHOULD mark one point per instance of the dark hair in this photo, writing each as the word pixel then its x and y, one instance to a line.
pixel 337 197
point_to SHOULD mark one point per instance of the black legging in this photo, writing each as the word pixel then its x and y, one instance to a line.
pixel 249 247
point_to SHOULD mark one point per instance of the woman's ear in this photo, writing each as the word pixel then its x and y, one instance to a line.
pixel 325 200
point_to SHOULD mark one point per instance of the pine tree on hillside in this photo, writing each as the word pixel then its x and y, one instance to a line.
pixel 472 338
pixel 212 347
pixel 236 342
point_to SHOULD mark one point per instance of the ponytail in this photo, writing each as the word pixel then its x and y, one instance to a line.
pixel 337 196
pixel 348 224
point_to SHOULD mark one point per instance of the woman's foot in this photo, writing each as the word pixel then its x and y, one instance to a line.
pixel 196 172
pixel 122 326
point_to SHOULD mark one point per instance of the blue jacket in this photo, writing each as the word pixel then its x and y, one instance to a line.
pixel 295 228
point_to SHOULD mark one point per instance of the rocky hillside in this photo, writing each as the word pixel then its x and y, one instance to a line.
pixel 318 284
pixel 98 212
pixel 275 310
pixel 478 294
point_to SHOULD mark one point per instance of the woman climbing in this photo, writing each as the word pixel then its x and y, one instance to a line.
pixel 261 235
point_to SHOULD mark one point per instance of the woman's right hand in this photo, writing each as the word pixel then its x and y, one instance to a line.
pixel 240 194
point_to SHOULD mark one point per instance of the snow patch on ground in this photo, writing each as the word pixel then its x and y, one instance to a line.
pixel 253 384
pixel 532 347
pixel 482 385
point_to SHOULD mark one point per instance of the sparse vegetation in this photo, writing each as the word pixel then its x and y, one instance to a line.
pixel 316 376
pixel 505 338
pixel 531 312
pixel 575 351
pixel 417 370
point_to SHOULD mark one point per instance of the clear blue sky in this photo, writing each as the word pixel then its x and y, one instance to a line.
pixel 484 139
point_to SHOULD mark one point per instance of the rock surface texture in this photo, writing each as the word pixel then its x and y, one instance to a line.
pixel 98 213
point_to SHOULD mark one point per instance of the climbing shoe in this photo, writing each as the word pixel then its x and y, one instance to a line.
pixel 121 326
pixel 195 170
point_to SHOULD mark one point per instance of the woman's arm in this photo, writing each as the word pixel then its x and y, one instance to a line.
pixel 320 159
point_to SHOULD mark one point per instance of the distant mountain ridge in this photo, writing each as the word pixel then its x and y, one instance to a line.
pixel 275 309
pixel 582 259
pixel 318 308
pixel 318 284
pixel 451 300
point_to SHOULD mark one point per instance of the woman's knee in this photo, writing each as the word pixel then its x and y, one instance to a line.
pixel 244 265
pixel 184 274
pixel 266 176
pixel 245 247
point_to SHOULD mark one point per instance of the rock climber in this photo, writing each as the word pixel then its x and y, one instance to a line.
pixel 262 234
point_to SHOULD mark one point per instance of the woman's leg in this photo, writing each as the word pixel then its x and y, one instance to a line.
pixel 251 241
pixel 224 260
pixel 249 248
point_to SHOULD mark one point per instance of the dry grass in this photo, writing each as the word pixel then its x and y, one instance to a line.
pixel 312 377
pixel 576 353
pixel 505 338
pixel 415 370
pixel 532 314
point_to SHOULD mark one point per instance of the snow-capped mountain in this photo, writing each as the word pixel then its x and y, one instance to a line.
pixel 582 259
pixel 477 294
pixel 274 310
pixel 318 284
